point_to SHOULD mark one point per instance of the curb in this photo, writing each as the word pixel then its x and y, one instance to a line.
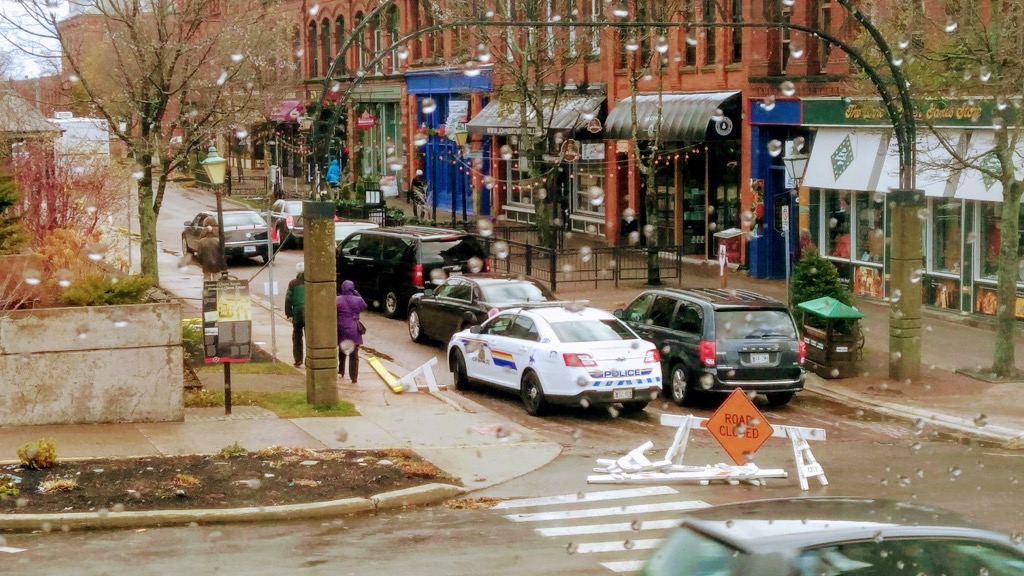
pixel 417 496
pixel 1007 438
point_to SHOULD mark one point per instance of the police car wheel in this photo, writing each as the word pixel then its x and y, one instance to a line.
pixel 679 385
pixel 533 395
pixel 458 367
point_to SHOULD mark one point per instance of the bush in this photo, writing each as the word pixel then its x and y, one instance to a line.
pixel 815 277
pixel 8 487
pixel 235 450
pixel 38 454
pixel 192 339
pixel 97 289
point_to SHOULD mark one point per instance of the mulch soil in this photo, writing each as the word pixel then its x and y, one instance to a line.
pixel 270 477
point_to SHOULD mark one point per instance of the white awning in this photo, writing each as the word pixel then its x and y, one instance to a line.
pixel 564 112
pixel 936 168
pixel 846 159
pixel 975 185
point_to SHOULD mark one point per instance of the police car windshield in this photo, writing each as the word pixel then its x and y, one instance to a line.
pixel 591 331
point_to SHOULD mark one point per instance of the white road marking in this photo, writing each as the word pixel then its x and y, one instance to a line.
pixel 624 566
pixel 618 546
pixel 608 528
pixel 613 511
pixel 588 497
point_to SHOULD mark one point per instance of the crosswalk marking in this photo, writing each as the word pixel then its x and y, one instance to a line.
pixel 588 497
pixel 624 566
pixel 607 528
pixel 618 546
pixel 613 511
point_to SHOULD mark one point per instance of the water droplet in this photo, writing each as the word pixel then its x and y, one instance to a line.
pixel 475 264
pixel 428 105
pixel 506 152
pixel 799 143
pixel 500 249
pixel 878 537
pixel 796 51
pixel 395 163
pixel 596 194
pixel 903 42
pixel 954 472
pixel 437 276
pixel 787 88
pixel 586 252
pixel 119 318
pixel 570 547
pixel 32 277
pixel 984 74
pixel 95 251
pixel 347 346
pixel 774 147
pixel 916 275
pixel 950 26
pixel 484 227
pixel 661 45
pixel 222 78
pixel 768 104
pixel 314 9
pixel 718 115
pixel 628 544
pixel 471 68
pixel 402 52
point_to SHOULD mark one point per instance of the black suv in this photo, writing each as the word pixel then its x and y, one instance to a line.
pixel 716 340
pixel 389 265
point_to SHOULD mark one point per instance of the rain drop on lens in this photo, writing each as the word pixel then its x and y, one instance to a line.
pixel 691 39
pixel 475 264
pixel 787 88
pixel 586 253
pixel 437 276
pixel 402 53
pixel 950 26
pixel 661 45
pixel 984 74
pixel 774 148
pixel 484 227
pixel 796 51
pixel 32 277
pixel 501 249
pixel 64 277
pixel 428 105
pixel 904 42
pixel 768 104
pixel 798 143
pixel 420 139
pixel 596 194
pixel 506 152
pixel 471 68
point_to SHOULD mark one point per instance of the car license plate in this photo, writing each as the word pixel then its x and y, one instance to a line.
pixel 762 358
pixel 249 248
pixel 623 394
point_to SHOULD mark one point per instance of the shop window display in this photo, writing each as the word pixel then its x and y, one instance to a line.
pixel 991 230
pixel 837 221
pixel 870 245
pixel 946 235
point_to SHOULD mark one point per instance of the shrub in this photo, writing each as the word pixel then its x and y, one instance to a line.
pixel 97 289
pixel 51 485
pixel 38 454
pixel 815 277
pixel 8 487
pixel 233 451
pixel 192 339
pixel 186 481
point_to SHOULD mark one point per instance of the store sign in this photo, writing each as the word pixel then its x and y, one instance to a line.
pixel 227 321
pixel 366 120
pixel 938 112
pixel 570 150
pixel 594 126
pixel 592 151
pixel 842 157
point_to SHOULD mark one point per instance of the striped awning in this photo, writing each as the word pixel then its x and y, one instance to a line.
pixel 687 117
pixel 561 113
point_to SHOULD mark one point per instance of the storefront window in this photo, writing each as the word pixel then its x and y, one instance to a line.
pixel 588 175
pixel 870 245
pixel 518 192
pixel 837 223
pixel 990 227
pixel 946 237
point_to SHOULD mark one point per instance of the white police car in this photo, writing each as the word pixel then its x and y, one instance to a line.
pixel 558 353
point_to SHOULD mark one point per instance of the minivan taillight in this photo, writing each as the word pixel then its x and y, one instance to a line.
pixel 708 352
pixel 417 275
pixel 290 221
pixel 578 360
pixel 487 264
pixel 802 352
pixel 652 357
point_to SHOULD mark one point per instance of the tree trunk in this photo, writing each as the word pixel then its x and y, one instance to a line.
pixel 1004 354
pixel 653 259
pixel 147 221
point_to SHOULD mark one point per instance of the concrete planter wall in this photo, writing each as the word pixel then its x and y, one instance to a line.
pixel 91 365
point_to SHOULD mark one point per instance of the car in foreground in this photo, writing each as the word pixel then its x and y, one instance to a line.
pixel 558 353
pixel 245 233
pixel 833 536
pixel 715 340
pixel 389 265
pixel 464 300
pixel 344 228
pixel 285 217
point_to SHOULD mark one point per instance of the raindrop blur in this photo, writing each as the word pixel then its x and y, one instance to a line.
pixel 787 88
pixel 420 139
pixel 596 194
pixel 984 74
pixel 501 249
pixel 570 548
pixel 119 318
pixel 586 253
pixel 903 42
pixel 222 78
pixel 954 472
pixel 506 152
pixel 475 264
pixel 484 227
pixel 788 3
pixel 774 148
pixel 981 420
pixel 395 163
pixel 489 182
pixel 632 45
pixel 950 26
pixel 916 275
pixel 768 104
pixel 798 143
pixel 471 68
pixel 313 11
pixel 402 53
pixel 428 105
pixel 437 276
pixel 691 38
pixel 32 277
pixel 796 51
pixel 64 277
pixel 661 45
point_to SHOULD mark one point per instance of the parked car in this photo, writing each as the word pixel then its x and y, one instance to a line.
pixel 716 340
pixel 556 353
pixel 286 219
pixel 343 228
pixel 834 536
pixel 245 233
pixel 389 265
pixel 464 300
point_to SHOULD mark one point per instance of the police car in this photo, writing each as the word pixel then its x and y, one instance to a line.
pixel 558 353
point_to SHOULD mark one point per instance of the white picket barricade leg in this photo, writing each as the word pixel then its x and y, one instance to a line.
pixel 426 372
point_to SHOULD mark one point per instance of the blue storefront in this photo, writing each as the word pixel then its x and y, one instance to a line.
pixel 771 124
pixel 450 172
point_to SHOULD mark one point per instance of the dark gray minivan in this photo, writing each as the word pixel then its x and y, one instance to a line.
pixel 717 340
pixel 389 265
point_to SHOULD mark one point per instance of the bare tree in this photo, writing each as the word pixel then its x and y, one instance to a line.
pixel 168 75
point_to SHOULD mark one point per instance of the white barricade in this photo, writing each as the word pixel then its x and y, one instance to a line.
pixel 421 376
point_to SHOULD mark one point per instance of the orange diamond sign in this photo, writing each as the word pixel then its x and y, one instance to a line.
pixel 739 427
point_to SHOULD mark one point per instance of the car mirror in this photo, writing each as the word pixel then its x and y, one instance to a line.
pixel 474 329
pixel 428 291
pixel 188 223
pixel 618 313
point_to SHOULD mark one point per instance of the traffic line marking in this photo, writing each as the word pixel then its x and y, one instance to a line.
pixel 618 546
pixel 624 565
pixel 608 528
pixel 613 511
pixel 588 497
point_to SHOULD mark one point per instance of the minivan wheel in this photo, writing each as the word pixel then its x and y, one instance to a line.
pixel 533 395
pixel 679 385
pixel 415 329
pixel 391 304
pixel 458 368
pixel 778 399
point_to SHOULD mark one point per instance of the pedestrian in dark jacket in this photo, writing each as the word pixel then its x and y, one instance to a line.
pixel 350 304
pixel 209 253
pixel 295 309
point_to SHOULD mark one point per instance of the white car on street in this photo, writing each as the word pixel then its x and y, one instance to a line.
pixel 558 353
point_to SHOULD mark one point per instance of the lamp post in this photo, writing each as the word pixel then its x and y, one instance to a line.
pixel 460 137
pixel 215 167
pixel 796 165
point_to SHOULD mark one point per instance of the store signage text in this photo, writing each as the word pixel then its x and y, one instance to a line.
pixel 933 111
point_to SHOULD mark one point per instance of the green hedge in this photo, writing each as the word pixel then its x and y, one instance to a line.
pixel 98 289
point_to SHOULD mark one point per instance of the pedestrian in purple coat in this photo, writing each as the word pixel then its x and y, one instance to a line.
pixel 350 304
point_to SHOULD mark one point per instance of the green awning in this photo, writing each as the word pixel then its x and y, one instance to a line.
pixel 828 307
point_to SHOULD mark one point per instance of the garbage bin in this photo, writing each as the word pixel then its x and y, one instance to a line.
pixel 832 349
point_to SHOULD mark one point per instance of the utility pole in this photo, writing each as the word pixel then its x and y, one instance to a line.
pixel 321 303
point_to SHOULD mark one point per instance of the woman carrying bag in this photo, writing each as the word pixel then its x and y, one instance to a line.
pixel 350 329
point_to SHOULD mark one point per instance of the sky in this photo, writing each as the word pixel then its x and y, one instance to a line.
pixel 24 66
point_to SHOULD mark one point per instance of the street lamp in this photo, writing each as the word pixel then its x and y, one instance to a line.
pixel 215 167
pixel 796 165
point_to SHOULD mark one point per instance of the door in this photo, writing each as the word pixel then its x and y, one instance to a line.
pixel 193 232
pixel 522 338
pixel 451 307
pixel 687 329
pixel 483 363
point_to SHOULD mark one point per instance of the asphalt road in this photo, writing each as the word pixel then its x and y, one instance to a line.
pixel 863 456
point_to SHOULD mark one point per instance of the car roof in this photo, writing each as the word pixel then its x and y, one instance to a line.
pixel 492 278
pixel 723 297
pixel 213 211
pixel 421 232
pixel 777 525
pixel 563 311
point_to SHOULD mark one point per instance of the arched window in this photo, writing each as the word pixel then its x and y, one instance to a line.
pixel 314 64
pixel 360 43
pixel 325 43
pixel 339 40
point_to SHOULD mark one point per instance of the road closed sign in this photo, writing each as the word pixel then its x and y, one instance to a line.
pixel 739 427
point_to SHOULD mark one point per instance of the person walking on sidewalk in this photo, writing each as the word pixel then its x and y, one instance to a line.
pixel 350 329
pixel 295 310
pixel 209 254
